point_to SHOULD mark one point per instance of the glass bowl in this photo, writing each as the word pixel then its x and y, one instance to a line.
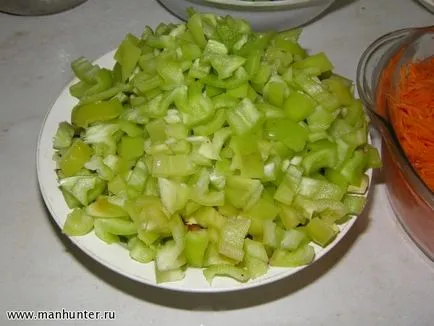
pixel 411 200
pixel 262 15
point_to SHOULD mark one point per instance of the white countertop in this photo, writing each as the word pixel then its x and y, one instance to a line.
pixel 375 276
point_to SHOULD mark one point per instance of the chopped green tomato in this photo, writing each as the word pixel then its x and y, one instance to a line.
pixel 63 137
pixel 237 273
pixel 196 243
pixel 77 223
pixel 75 158
pixel 232 238
pixel 141 252
pixel 302 256
pixel 321 232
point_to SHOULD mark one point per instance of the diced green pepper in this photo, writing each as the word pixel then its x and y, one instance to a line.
pixel 77 223
pixel 316 64
pixel 288 132
pixel 245 117
pixel 354 203
pixel 243 192
pixel 172 165
pixel 302 256
pixel 196 244
pixel 142 253
pixel 131 148
pixel 298 106
pixel 75 158
pixel 321 232
pixel 232 238
pixel 83 115
pixel 195 26
pixel 238 273
pixel 63 137
pixel 127 55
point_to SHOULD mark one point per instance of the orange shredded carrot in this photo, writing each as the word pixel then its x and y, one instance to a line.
pixel 411 111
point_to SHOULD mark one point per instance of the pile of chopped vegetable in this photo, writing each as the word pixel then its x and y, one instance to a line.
pixel 211 146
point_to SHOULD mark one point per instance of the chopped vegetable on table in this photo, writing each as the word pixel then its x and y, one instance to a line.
pixel 209 145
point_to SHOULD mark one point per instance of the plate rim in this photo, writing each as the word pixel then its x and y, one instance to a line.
pixel 282 272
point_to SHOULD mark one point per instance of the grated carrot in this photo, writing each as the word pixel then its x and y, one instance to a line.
pixel 411 111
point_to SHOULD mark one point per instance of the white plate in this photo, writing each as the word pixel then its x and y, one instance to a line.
pixel 115 256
